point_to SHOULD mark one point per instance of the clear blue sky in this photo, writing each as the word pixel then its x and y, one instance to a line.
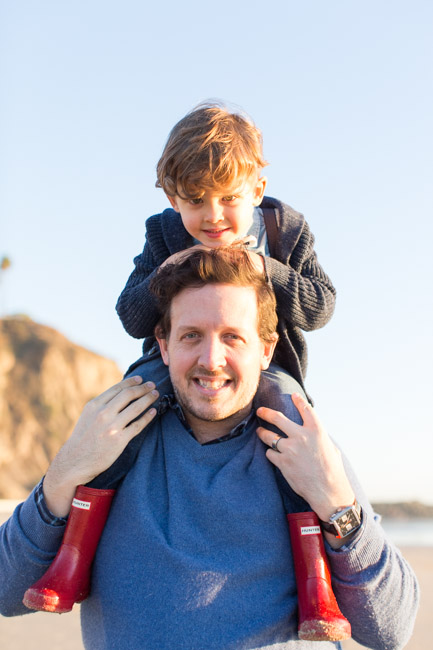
pixel 343 94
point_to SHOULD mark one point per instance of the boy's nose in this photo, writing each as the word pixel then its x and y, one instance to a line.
pixel 214 213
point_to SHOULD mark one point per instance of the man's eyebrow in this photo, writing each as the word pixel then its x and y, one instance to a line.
pixel 223 328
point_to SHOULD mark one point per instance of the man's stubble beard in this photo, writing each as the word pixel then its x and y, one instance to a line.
pixel 189 408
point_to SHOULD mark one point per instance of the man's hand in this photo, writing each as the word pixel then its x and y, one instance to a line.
pixel 308 459
pixel 102 432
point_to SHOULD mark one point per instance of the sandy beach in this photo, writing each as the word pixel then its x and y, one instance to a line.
pixel 36 630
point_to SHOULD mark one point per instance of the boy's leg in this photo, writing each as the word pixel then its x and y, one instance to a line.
pixel 151 368
pixel 275 390
pixel 319 616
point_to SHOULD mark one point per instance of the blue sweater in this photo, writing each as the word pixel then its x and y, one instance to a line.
pixel 196 555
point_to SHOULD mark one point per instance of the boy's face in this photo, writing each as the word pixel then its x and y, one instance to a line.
pixel 219 217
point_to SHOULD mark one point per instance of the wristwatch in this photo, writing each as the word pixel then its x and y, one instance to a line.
pixel 344 521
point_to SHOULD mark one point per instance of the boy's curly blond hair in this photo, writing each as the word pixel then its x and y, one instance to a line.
pixel 210 148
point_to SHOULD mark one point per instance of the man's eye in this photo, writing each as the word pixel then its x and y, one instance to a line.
pixel 190 336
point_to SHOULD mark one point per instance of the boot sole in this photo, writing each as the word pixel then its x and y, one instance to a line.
pixel 46 601
pixel 324 631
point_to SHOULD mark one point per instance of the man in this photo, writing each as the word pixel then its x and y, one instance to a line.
pixel 196 551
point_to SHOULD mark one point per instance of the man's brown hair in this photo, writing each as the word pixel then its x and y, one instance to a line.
pixel 209 148
pixel 223 265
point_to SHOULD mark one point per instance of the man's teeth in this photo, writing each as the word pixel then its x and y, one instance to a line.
pixel 214 385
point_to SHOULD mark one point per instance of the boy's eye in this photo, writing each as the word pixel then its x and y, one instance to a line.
pixel 229 198
pixel 196 201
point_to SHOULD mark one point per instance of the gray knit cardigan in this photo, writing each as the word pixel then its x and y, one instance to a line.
pixel 305 295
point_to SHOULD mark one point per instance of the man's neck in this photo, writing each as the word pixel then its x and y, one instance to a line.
pixel 205 431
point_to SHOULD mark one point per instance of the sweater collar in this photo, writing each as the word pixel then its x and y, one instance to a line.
pixel 170 402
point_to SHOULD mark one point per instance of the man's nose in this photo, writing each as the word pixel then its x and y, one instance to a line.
pixel 212 354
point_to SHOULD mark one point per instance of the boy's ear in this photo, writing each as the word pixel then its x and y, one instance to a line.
pixel 173 202
pixel 259 190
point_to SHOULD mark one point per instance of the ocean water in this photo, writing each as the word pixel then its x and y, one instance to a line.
pixel 409 532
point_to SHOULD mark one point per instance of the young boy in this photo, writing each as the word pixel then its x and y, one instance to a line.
pixel 211 172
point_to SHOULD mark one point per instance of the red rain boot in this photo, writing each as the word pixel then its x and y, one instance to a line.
pixel 67 580
pixel 319 616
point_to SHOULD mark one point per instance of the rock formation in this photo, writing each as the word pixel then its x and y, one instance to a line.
pixel 45 380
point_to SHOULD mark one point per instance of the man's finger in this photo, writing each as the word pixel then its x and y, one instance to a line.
pixel 113 391
pixel 306 411
pixel 134 409
pixel 137 426
pixel 125 397
pixel 278 419
pixel 272 440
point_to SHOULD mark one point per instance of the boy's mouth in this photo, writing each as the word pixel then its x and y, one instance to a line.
pixel 216 232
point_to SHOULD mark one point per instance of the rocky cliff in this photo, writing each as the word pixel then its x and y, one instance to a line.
pixel 45 380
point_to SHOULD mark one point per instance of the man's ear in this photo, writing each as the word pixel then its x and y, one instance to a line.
pixel 164 349
pixel 173 202
pixel 268 351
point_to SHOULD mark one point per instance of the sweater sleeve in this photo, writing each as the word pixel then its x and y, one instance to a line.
pixel 28 545
pixel 136 305
pixel 305 294
pixel 375 587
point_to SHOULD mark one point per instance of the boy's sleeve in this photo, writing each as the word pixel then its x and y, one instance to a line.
pixel 305 294
pixel 136 306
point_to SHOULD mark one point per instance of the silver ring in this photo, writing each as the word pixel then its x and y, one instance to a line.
pixel 275 444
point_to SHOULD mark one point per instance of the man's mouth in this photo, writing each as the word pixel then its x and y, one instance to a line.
pixel 212 384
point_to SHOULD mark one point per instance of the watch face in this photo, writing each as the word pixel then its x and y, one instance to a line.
pixel 347 521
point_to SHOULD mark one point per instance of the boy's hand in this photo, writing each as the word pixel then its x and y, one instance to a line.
pixel 257 260
pixel 308 459
pixel 106 425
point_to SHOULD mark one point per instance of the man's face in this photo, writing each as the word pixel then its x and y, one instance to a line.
pixel 217 218
pixel 215 355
